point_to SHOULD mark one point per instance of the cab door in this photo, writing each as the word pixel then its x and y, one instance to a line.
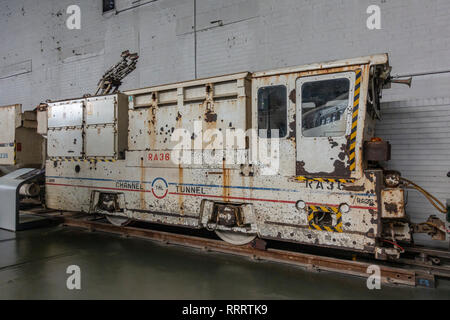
pixel 327 125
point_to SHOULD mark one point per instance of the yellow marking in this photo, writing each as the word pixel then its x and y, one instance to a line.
pixel 357 91
pixel 352 146
pixel 353 136
pixel 353 167
pixel 352 156
pixel 355 114
pixel 317 227
pixel 328 229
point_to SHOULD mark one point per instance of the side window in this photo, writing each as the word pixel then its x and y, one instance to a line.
pixel 324 106
pixel 272 110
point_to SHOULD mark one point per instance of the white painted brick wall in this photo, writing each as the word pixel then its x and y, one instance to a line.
pixel 256 35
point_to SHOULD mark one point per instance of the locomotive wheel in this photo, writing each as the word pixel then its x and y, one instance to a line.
pixel 118 221
pixel 234 238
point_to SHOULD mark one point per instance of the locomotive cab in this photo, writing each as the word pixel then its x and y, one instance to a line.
pixel 331 148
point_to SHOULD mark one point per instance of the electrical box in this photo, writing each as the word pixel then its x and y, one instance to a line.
pixel 88 128
pixel 393 203
pixel 65 142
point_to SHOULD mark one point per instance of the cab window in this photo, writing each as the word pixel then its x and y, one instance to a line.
pixel 324 106
pixel 272 110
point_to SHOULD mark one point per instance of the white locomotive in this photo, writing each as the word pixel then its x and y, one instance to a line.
pixel 126 155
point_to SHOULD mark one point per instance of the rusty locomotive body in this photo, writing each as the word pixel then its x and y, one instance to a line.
pixel 324 185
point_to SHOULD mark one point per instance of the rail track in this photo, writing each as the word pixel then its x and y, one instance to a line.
pixel 420 267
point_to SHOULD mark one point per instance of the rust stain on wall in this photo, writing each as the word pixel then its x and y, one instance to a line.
pixel 180 182
pixel 210 116
pixel 391 208
pixel 340 170
pixel 293 129
pixel 152 128
pixel 225 182
pixel 142 178
pixel 293 96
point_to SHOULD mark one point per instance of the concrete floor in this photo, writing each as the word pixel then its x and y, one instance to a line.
pixel 33 266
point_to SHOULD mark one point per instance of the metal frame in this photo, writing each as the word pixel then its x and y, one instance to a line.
pixel 10 200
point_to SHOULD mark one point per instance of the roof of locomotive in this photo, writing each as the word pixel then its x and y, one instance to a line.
pixel 188 83
pixel 376 59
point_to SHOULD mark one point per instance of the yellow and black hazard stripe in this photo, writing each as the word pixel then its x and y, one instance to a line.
pixel 74 159
pixel 323 180
pixel 62 159
pixel 352 150
pixel 313 210
pixel 102 160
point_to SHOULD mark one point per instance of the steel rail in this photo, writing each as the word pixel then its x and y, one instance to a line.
pixel 440 253
pixel 389 275
pixel 408 272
